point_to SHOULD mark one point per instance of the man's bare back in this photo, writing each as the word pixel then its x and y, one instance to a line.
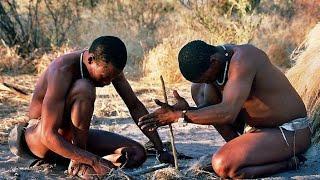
pixel 68 66
pixel 270 91
pixel 66 63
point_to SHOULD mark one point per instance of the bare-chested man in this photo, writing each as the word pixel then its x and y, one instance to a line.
pixel 249 101
pixel 62 106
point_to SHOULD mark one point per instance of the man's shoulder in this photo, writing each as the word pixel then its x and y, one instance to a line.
pixel 246 58
pixel 248 55
pixel 247 49
pixel 59 71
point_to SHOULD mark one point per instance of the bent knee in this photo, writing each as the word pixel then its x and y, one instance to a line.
pixel 196 90
pixel 137 156
pixel 221 166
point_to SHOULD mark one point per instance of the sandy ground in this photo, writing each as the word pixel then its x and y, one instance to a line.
pixel 112 115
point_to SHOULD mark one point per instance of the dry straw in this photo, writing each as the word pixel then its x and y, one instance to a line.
pixel 305 77
pixel 163 60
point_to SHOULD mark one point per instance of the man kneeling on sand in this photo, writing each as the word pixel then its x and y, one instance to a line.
pixel 62 106
pixel 249 101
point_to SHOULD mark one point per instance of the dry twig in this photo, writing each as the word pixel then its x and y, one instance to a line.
pixel 174 151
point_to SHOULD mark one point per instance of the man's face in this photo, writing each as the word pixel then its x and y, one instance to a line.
pixel 208 77
pixel 103 73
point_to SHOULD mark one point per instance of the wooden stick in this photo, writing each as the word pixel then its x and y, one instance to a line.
pixel 13 89
pixel 174 151
pixel 147 169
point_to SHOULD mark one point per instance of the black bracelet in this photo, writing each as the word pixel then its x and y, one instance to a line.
pixel 162 150
pixel 185 117
pixel 158 153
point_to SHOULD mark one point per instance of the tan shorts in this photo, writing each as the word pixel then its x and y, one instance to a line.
pixel 296 124
pixel 293 125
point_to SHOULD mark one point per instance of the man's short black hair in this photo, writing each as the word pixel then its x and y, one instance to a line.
pixel 194 59
pixel 110 49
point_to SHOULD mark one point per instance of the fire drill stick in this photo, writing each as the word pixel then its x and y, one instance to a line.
pixel 174 151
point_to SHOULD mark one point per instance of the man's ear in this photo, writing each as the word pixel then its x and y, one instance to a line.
pixel 90 58
pixel 216 58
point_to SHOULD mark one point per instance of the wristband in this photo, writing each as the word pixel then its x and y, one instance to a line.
pixel 158 153
pixel 183 119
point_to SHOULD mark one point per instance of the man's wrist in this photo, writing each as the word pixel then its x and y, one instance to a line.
pixel 179 115
pixel 95 160
pixel 161 150
pixel 183 118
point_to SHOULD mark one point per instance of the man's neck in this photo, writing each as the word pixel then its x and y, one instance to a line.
pixel 85 64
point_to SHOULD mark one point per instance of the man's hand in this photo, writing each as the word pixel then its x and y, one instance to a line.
pixel 160 117
pixel 74 167
pixel 165 115
pixel 102 166
pixel 165 157
pixel 181 104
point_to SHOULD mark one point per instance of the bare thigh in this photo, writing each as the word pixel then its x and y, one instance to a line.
pixel 259 148
pixel 117 149
pixel 103 142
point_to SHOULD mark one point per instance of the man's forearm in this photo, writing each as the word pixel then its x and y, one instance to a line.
pixel 60 146
pixel 139 111
pixel 211 115
pixel 199 107
pixel 226 131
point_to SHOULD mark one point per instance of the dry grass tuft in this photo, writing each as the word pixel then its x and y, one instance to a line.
pixel 167 173
pixel 163 60
pixel 10 61
pixel 41 63
pixel 305 77
pixel 199 168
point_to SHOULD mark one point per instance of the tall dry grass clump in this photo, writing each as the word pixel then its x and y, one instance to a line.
pixel 42 62
pixel 10 61
pixel 280 29
pixel 305 77
pixel 209 22
pixel 163 60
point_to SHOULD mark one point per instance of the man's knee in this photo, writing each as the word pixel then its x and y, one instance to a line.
pixel 137 156
pixel 196 89
pixel 221 165
pixel 82 89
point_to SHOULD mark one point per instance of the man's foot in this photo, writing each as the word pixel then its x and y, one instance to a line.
pixel 82 171
pixel 151 151
pixel 295 162
pixel 87 172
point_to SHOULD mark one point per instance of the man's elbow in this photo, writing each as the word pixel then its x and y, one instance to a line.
pixel 229 117
pixel 47 137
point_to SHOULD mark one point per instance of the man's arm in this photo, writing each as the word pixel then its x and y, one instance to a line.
pixel 52 118
pixel 235 93
pixel 136 108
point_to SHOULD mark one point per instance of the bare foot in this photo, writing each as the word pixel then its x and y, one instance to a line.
pixel 81 170
pixel 295 162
